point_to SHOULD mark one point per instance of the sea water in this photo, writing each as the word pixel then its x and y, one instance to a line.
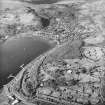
pixel 17 52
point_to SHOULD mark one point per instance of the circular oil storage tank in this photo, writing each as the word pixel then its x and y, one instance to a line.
pixel 15 52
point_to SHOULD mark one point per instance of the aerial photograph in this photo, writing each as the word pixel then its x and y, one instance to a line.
pixel 52 52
